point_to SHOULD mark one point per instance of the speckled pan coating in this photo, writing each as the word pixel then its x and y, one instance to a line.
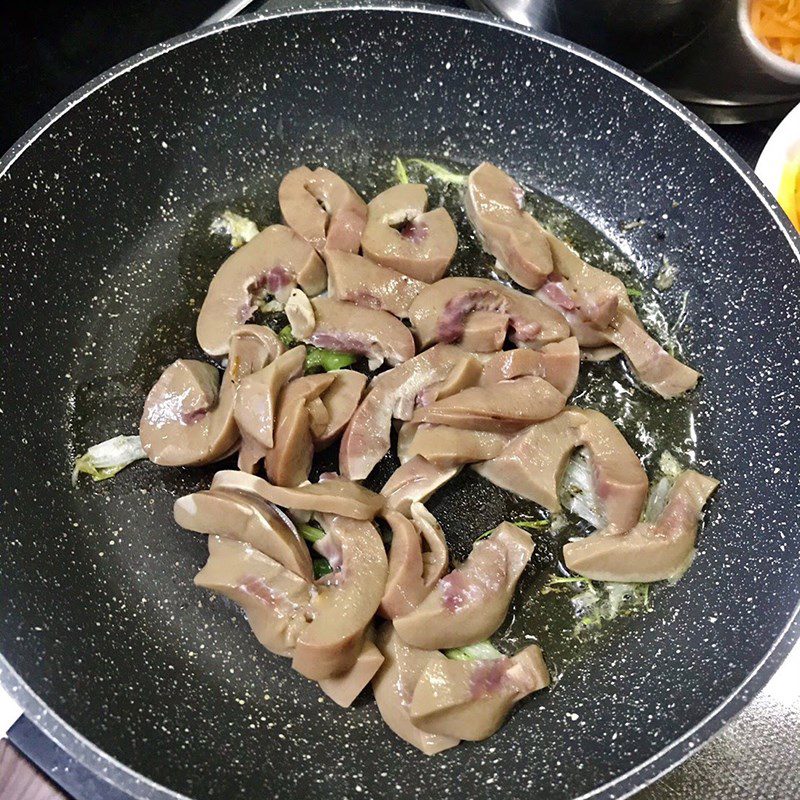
pixel 99 619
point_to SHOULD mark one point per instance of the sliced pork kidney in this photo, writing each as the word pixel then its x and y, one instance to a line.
pixel 404 587
pixel 588 297
pixel 377 335
pixel 471 699
pixel 414 482
pixel 500 407
pixel 402 235
pixel 273 262
pixel 345 600
pixel 652 550
pixel 620 481
pixel 445 447
pixel 340 400
pixel 533 463
pixel 188 417
pixel 558 363
pixel 393 687
pixel 435 555
pixel 440 312
pixel 412 576
pixel 322 208
pixel 358 280
pixel 466 372
pixel 495 205
pixel 599 312
pixel 345 688
pixel 651 363
pixel 251 348
pixel 470 603
pixel 247 519
pixel 288 461
pixel 367 438
pixel 185 420
pixel 332 495
pixel 406 433
pixel 256 405
pixel 300 315
pixel 484 332
pixel 274 599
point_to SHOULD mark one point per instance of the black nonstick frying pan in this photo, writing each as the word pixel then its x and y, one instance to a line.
pixel 104 250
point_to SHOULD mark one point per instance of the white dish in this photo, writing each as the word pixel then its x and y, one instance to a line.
pixel 782 146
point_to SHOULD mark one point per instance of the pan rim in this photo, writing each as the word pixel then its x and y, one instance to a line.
pixel 137 785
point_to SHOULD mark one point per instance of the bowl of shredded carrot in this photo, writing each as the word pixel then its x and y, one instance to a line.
pixel 772 29
pixel 779 165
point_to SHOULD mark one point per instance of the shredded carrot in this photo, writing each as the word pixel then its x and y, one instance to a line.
pixel 777 24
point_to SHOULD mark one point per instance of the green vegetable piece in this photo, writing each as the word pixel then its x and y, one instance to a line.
pixel 632 224
pixel 321 567
pixel 633 292
pixel 400 172
pixel 439 172
pixel 239 228
pixel 310 533
pixel 557 580
pixel 473 652
pixel 531 523
pixel 558 583
pixel 318 358
pixel 534 524
pixel 666 275
pixel 285 335
pixel 642 593
pixel 105 460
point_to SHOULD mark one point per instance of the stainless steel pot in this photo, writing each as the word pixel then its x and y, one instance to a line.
pixel 703 52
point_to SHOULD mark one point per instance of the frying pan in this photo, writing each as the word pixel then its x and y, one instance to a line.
pixel 105 208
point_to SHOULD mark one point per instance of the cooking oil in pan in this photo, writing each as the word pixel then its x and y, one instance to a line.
pixel 468 505
pixel 544 611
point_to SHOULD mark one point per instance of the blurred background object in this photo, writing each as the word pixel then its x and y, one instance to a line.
pixel 704 52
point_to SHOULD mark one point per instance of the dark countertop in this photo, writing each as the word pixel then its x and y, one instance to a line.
pixel 53 47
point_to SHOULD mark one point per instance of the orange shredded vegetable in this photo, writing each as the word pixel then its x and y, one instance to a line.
pixel 777 24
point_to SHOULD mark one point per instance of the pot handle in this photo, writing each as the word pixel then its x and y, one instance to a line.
pixel 34 767
pixel 230 9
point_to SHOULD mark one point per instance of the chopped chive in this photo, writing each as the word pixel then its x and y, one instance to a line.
pixel 285 335
pixel 318 358
pixel 472 652
pixel 310 533
pixel 439 172
pixel 520 523
pixel 400 171
pixel 321 567
pixel 105 460
pixel 532 523
pixel 631 225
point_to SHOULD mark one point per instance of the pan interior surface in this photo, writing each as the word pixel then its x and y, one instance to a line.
pixel 106 258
